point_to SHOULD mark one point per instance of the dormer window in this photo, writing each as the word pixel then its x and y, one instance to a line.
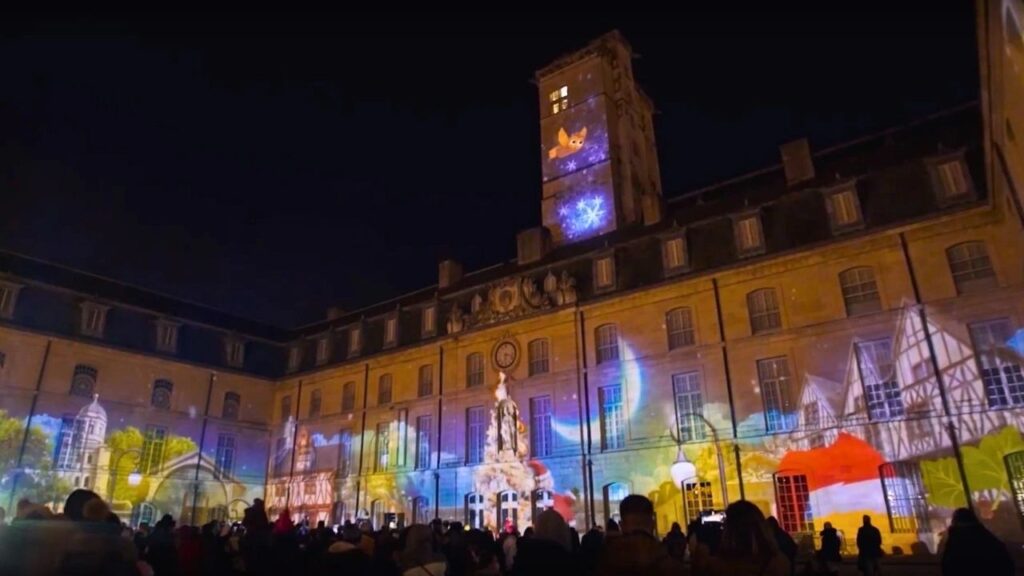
pixel 843 207
pixel 390 331
pixel 8 298
pixel 604 273
pixel 94 319
pixel 952 180
pixel 748 233
pixel 235 352
pixel 355 340
pixel 429 325
pixel 323 349
pixel 559 99
pixel 673 254
pixel 294 357
pixel 167 336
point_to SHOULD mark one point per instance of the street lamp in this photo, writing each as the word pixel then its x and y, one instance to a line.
pixel 133 479
pixel 681 471
pixel 718 454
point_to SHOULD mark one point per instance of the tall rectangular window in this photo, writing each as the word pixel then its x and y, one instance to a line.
pixel 998 364
pixel 474 370
pixel 604 272
pixel 537 351
pixel 904 494
pixel 607 337
pixel 384 390
pixel 749 239
pixel 679 325
pixel 793 503
pixel 763 307
pixel 64 456
pixel 673 253
pixel 426 380
pixel 226 454
pixel 954 183
pixel 689 406
pixel 698 498
pixel 153 450
pixel 613 426
pixel 232 406
pixel 348 397
pixel 860 292
pixel 476 434
pixel 424 424
pixel 773 375
pixel 344 453
pixel 286 408
pixel 540 426
pixel 878 375
pixel 315 401
pixel 383 446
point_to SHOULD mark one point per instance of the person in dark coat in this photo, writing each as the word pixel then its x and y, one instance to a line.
pixel 675 542
pixel 548 551
pixel 970 546
pixel 786 543
pixel 830 544
pixel 869 548
pixel 161 551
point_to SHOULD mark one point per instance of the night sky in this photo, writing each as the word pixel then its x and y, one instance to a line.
pixel 273 165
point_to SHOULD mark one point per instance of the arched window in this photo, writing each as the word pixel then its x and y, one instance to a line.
pixel 162 394
pixel 475 510
pixel 83 383
pixel 542 500
pixel 679 325
pixel 763 307
pixel 614 494
pixel 607 341
pixel 860 292
pixel 971 268
pixel 508 509
pixel 232 406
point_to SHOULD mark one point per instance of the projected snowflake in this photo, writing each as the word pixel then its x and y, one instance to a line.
pixel 583 215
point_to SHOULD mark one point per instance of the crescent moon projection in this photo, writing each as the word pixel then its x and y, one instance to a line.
pixel 632 382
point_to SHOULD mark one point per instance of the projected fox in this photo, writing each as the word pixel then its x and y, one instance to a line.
pixel 568 145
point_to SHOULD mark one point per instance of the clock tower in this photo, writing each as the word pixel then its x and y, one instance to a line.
pixel 598 158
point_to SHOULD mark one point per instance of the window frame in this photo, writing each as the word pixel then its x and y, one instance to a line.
pixel 683 335
pixel 86 327
pixel 737 231
pixel 968 281
pixel 607 352
pixel 609 285
pixel 831 195
pixel 684 256
pixel 767 314
pixel 856 299
pixel 535 363
pixel 167 330
pixel 9 292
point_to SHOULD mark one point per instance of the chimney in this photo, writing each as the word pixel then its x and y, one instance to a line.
pixel 335 312
pixel 533 244
pixel 796 160
pixel 449 272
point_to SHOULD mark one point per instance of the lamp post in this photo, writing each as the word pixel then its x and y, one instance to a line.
pixel 683 470
pixel 718 453
pixel 134 478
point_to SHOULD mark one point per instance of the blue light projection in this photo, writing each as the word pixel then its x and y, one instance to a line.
pixel 632 378
pixel 583 215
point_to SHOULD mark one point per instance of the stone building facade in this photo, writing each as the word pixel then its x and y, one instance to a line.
pixel 834 336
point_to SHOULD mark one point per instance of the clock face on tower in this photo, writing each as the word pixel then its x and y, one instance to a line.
pixel 506 355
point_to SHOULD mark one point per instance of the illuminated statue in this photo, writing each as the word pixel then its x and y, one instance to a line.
pixel 506 418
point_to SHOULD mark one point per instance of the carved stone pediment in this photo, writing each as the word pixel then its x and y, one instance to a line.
pixel 517 296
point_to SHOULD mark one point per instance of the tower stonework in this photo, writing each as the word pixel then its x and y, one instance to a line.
pixel 598 157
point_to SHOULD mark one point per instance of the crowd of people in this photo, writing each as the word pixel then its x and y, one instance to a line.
pixel 87 538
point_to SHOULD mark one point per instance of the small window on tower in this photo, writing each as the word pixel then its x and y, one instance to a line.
pixel 559 99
